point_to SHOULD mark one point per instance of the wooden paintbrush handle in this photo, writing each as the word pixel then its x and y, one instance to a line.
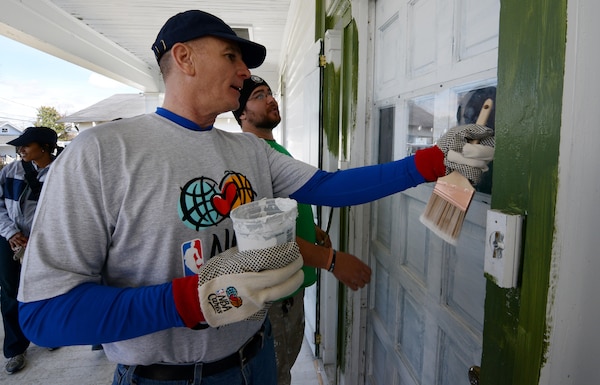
pixel 484 114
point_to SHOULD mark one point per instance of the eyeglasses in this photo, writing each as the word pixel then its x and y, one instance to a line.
pixel 261 95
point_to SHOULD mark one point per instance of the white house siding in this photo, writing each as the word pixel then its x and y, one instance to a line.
pixel 573 311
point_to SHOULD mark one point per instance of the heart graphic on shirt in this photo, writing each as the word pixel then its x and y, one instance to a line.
pixel 224 201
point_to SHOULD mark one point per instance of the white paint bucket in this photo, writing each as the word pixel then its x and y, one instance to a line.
pixel 265 223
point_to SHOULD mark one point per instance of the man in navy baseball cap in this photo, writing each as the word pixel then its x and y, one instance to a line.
pixel 194 24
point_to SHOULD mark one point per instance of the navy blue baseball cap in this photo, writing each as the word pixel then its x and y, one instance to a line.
pixel 35 135
pixel 193 24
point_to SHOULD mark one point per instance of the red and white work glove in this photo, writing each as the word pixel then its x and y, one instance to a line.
pixel 454 151
pixel 238 285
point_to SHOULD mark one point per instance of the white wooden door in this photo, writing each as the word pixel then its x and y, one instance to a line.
pixel 426 301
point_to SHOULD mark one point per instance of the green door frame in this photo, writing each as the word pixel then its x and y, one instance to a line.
pixel 531 63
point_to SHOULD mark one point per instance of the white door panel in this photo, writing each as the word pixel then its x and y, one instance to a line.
pixel 389 68
pixel 427 301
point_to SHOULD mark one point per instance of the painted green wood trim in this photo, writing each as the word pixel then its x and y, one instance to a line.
pixel 345 316
pixel 349 84
pixel 349 100
pixel 320 19
pixel 335 83
pixel 331 107
pixel 531 57
pixel 340 90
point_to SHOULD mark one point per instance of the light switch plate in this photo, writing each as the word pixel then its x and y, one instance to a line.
pixel 503 248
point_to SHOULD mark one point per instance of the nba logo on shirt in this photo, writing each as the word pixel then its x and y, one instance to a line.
pixel 192 257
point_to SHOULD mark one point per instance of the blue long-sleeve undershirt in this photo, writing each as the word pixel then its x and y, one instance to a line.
pixel 91 314
pixel 359 185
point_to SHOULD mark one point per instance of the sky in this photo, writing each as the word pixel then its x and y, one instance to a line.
pixel 30 79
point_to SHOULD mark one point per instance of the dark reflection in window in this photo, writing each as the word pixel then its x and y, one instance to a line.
pixel 386 134
pixel 468 110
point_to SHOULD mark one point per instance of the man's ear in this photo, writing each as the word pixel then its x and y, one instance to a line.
pixel 183 57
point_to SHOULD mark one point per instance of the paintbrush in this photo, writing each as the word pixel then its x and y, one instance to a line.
pixel 446 210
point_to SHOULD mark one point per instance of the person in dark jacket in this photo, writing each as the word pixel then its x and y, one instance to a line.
pixel 21 183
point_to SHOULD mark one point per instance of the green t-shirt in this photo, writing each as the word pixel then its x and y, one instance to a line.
pixel 305 225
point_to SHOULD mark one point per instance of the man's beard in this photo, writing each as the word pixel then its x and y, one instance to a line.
pixel 267 123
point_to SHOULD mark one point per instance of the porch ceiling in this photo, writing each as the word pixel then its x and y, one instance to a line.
pixel 113 37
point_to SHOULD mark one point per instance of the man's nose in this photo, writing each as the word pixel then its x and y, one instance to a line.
pixel 244 72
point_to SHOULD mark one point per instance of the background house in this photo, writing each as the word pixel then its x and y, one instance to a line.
pixel 127 106
pixel 8 132
pixel 114 107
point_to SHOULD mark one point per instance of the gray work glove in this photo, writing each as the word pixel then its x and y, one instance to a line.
pixel 238 285
pixel 462 155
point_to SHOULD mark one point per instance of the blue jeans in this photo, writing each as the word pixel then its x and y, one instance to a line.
pixel 261 370
pixel 15 341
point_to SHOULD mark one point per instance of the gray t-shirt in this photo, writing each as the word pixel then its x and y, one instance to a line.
pixel 142 201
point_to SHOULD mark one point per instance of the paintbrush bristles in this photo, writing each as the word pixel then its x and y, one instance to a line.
pixel 446 210
pixel 445 219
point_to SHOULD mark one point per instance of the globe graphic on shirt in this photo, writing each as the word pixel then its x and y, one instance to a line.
pixel 195 204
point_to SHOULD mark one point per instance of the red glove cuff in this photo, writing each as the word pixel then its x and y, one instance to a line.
pixel 430 163
pixel 187 303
